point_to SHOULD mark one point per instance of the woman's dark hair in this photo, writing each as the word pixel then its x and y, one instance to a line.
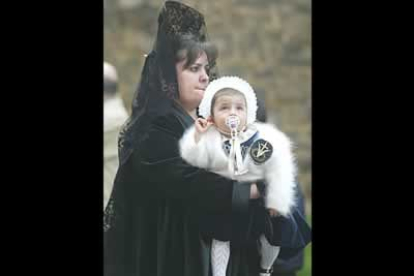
pixel 189 48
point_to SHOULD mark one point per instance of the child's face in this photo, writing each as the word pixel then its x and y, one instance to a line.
pixel 226 105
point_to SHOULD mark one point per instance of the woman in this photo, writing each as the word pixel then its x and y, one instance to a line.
pixel 162 211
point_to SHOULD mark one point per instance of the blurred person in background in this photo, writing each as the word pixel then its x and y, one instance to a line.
pixel 115 115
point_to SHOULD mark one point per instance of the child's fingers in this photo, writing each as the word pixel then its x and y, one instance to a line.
pixel 201 125
pixel 201 121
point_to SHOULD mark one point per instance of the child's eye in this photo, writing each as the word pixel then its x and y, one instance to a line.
pixel 240 108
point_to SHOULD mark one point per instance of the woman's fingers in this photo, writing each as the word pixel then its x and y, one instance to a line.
pixel 273 212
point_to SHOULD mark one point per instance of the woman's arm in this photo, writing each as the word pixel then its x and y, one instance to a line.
pixel 292 233
pixel 171 177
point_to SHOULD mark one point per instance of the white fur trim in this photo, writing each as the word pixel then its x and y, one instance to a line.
pixel 235 83
pixel 192 152
pixel 281 170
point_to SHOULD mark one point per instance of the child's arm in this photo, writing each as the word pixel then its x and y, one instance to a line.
pixel 280 175
pixel 192 145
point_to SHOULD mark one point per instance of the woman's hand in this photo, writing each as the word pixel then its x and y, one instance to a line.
pixel 254 191
pixel 273 212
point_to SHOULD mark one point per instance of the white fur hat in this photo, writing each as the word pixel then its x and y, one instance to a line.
pixel 234 83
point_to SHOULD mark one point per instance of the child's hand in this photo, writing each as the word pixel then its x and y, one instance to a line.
pixel 202 125
pixel 273 212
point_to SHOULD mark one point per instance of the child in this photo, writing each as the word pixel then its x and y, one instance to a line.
pixel 231 143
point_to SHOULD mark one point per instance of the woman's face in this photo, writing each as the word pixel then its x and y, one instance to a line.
pixel 192 82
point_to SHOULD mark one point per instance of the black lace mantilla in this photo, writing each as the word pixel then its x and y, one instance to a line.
pixel 178 19
pixel 157 89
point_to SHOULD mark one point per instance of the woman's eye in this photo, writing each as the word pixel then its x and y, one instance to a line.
pixel 194 69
